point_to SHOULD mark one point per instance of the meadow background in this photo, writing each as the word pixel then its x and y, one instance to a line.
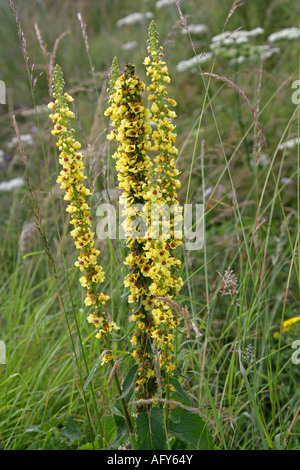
pixel 238 141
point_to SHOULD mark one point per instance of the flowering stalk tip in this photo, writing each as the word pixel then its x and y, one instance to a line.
pixel 71 180
pixel 152 266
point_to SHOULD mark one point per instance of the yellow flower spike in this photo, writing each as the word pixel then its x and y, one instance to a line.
pixel 151 260
pixel 132 131
pixel 70 179
pixel 165 282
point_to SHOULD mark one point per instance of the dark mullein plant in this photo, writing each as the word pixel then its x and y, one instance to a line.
pixel 131 131
pixel 152 265
pixel 153 270
pixel 71 180
pixel 165 266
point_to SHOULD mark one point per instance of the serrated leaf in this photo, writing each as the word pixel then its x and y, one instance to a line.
pixel 150 430
pixel 190 428
pixel 71 431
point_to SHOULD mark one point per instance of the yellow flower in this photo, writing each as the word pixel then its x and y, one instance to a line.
pixel 106 358
pixel 71 180
pixel 286 325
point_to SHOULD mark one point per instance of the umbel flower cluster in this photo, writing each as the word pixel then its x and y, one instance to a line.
pixel 145 182
pixel 71 180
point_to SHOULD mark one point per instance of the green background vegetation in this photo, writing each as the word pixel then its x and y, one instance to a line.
pixel 237 372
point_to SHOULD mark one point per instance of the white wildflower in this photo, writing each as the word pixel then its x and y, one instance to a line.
pixel 235 37
pixel 265 51
pixel 238 60
pixel 27 233
pixel 289 144
pixel 255 32
pixel 261 160
pixel 287 33
pixel 164 3
pixel 12 184
pixel 135 18
pixel 257 52
pixel 42 108
pixel 229 41
pixel 198 59
pixel 127 46
pixel 26 139
pixel 208 191
pixel 195 29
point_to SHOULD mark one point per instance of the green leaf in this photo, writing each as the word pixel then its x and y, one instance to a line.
pixel 151 431
pixel 138 306
pixel 179 393
pixel 128 381
pixel 37 445
pixel 90 446
pixel 179 445
pixel 93 370
pixel 116 410
pixel 190 428
pixel 121 430
pixel 109 427
pixel 34 253
pixel 71 432
pixel 278 442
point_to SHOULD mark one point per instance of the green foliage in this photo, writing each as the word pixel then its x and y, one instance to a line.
pixel 179 394
pixel 190 428
pixel 43 403
pixel 150 430
pixel 54 436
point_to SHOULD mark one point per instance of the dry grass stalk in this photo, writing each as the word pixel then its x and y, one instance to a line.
pixel 20 32
pixel 183 312
pixel 230 282
pixel 256 147
pixel 112 373
pixel 236 4
pixel 19 139
pixel 83 29
pixel 182 18
pixel 168 402
pixel 261 138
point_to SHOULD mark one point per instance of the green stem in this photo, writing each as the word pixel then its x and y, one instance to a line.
pixel 119 390
pixel 167 409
